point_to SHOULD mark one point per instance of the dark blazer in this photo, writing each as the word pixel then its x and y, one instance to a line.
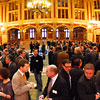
pixel 18 59
pixel 36 63
pixel 75 73
pixel 86 89
pixel 65 76
pixel 98 80
pixel 13 68
pixel 75 56
pixel 59 91
pixel 50 57
pixel 91 57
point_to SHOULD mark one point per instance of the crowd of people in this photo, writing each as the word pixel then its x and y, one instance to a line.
pixel 73 71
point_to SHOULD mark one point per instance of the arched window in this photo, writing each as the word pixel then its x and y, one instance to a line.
pixel 32 33
pixel 44 33
pixel 57 33
pixel 67 33
pixel 18 34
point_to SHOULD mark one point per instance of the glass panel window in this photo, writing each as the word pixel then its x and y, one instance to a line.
pixel 19 34
pixel 58 3
pixel 62 13
pixel 59 13
pixel 32 33
pixel 9 17
pixel 66 13
pixel 79 14
pixel 13 11
pixel 67 33
pixel 79 3
pixel 66 3
pixel 96 4
pixel 44 33
pixel 57 33
pixel 62 3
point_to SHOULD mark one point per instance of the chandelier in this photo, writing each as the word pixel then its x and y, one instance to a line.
pixel 39 5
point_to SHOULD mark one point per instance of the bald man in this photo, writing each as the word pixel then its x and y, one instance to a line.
pixel 56 88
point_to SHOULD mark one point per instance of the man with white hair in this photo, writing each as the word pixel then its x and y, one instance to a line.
pixel 56 88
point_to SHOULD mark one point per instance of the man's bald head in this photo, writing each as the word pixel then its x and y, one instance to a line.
pixel 51 70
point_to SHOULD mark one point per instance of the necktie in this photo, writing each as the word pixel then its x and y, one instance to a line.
pixel 69 80
pixel 24 77
pixel 50 86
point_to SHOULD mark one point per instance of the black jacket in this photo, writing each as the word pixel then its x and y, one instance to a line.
pixel 59 91
pixel 36 63
pixel 86 89
pixel 13 68
pixel 75 73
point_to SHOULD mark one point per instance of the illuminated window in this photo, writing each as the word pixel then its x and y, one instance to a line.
pixel 79 3
pixel 32 33
pixel 62 13
pixel 67 33
pixel 44 33
pixel 13 11
pixel 19 34
pixel 79 14
pixel 62 3
pixel 57 33
pixel 96 4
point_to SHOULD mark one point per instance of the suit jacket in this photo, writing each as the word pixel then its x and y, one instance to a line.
pixel 20 88
pixel 86 88
pixel 36 63
pixel 75 56
pixel 65 76
pixel 91 57
pixel 13 68
pixel 75 73
pixel 17 60
pixel 61 56
pixel 98 80
pixel 50 57
pixel 59 90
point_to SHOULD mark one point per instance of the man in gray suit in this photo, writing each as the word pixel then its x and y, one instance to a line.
pixel 19 83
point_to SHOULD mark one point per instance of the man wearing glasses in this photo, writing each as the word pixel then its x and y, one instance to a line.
pixel 64 72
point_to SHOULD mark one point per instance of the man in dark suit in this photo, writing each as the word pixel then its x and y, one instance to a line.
pixel 76 73
pixel 77 54
pixel 56 88
pixel 92 56
pixel 21 56
pixel 86 86
pixel 36 66
pixel 50 54
pixel 11 65
pixel 64 72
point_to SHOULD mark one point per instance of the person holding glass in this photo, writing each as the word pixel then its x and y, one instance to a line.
pixel 6 92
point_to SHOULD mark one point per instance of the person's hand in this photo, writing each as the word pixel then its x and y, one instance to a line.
pixel 30 85
pixel 97 96
pixel 41 97
pixel 2 94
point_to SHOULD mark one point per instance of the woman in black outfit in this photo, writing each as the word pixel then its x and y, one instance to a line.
pixel 6 92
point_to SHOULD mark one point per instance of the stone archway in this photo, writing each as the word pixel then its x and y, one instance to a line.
pixel 30 33
pixel 62 33
pixel 13 35
pixel 79 34
pixel 47 33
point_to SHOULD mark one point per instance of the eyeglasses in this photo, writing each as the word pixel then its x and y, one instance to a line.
pixel 67 66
